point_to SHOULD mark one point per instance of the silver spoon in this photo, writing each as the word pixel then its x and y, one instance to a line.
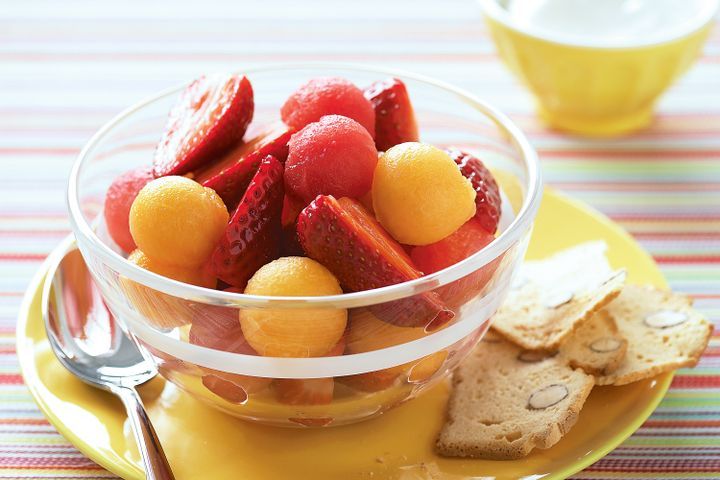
pixel 86 339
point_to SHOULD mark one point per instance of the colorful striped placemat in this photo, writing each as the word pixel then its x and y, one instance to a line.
pixel 67 67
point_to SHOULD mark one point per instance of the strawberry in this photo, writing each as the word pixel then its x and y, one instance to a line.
pixel 290 244
pixel 226 389
pixel 338 349
pixel 210 117
pixel 292 207
pixel 233 387
pixel 231 175
pixel 218 327
pixel 346 239
pixel 394 116
pixel 465 241
pixel 252 237
pixel 487 200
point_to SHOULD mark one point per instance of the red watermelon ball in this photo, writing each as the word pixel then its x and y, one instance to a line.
pixel 335 156
pixel 328 96
pixel 119 199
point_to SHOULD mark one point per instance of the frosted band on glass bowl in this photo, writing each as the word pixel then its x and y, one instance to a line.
pixel 319 367
pixel 513 236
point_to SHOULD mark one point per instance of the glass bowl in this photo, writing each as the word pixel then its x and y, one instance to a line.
pixel 193 333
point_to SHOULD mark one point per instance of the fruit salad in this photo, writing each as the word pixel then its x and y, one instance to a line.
pixel 337 195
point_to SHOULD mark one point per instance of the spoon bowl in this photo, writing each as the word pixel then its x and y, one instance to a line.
pixel 90 344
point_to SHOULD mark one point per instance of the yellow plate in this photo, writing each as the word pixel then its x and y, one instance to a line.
pixel 203 443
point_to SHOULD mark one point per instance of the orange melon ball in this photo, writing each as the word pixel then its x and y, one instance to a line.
pixel 160 309
pixel 177 221
pixel 293 332
pixel 419 194
pixel 202 275
pixel 368 333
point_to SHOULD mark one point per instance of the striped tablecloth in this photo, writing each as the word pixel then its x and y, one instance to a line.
pixel 67 67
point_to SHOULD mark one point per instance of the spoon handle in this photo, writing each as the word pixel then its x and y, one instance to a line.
pixel 156 465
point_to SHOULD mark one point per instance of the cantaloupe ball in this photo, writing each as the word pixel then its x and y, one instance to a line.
pixel 293 332
pixel 419 194
pixel 160 309
pixel 177 221
pixel 368 333
pixel 202 276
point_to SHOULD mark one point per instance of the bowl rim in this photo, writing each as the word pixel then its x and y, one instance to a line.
pixel 520 224
pixel 705 15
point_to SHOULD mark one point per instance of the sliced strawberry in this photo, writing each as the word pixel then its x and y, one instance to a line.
pixel 232 183
pixel 291 209
pixel 270 140
pixel 232 387
pixel 290 243
pixel 338 349
pixel 252 237
pixel 231 175
pixel 394 116
pixel 219 328
pixel 465 241
pixel 210 118
pixel 487 200
pixel 346 239
pixel 226 389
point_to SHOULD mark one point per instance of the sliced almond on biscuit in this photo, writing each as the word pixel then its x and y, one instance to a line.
pixel 597 346
pixel 533 356
pixel 561 292
pixel 606 345
pixel 559 298
pixel 548 396
pixel 664 333
pixel 665 318
pixel 502 407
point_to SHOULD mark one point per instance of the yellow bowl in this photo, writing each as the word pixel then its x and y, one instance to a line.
pixel 591 88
